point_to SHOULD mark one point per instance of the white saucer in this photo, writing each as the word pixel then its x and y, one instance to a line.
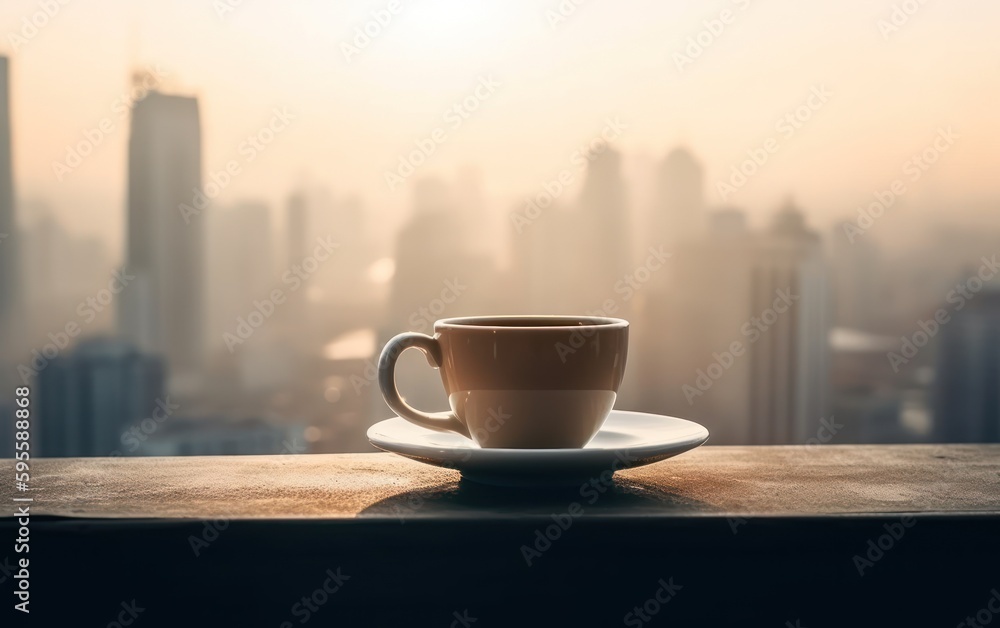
pixel 627 439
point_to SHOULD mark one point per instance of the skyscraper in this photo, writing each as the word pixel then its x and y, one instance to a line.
pixel 602 249
pixel 296 249
pixel 967 375
pixel 240 267
pixel 296 228
pixel 88 398
pixel 545 258
pixel 859 291
pixel 59 268
pixel 696 314
pixel 741 342
pixel 162 311
pixel 8 241
pixel 436 277
pixel 789 360
pixel 678 199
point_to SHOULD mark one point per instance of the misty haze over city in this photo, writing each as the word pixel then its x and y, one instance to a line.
pixel 213 216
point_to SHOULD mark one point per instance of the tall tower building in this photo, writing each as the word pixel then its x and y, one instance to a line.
pixel 296 249
pixel 678 199
pixel 162 311
pixel 436 277
pixel 88 398
pixel 741 337
pixel 240 267
pixel 694 316
pixel 8 240
pixel 674 222
pixel 789 360
pixel 297 229
pixel 857 271
pixel 603 243
pixel 966 387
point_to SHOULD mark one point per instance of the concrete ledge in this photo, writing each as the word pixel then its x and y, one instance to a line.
pixel 753 536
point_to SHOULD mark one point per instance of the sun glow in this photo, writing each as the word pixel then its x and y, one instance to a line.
pixel 455 26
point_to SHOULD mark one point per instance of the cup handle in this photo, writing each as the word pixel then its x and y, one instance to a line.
pixel 439 421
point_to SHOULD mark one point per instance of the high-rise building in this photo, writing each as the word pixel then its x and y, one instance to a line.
pixel 8 226
pixel 315 215
pixel 739 342
pixel 690 316
pixel 674 221
pixel 966 389
pixel 544 259
pixel 678 199
pixel 480 225
pixel 789 369
pixel 436 277
pixel 297 228
pixel 296 249
pixel 601 244
pixel 86 399
pixel 571 258
pixel 162 310
pixel 859 290
pixel 240 267
pixel 59 268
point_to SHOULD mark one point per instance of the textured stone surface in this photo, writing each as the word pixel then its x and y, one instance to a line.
pixel 731 481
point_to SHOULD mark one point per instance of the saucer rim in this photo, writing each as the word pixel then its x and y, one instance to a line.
pixel 685 443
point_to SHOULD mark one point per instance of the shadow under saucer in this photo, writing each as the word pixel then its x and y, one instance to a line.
pixel 597 496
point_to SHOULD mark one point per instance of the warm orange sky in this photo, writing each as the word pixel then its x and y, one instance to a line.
pixel 889 95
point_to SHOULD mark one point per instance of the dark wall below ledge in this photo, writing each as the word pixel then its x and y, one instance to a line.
pixel 752 537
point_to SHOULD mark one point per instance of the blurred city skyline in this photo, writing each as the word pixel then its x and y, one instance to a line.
pixel 234 206
pixel 560 79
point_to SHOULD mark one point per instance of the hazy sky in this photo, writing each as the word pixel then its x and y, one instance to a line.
pixel 353 118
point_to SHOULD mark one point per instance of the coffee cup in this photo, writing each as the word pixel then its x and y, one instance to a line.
pixel 522 382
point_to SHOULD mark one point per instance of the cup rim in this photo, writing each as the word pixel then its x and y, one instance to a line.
pixel 477 322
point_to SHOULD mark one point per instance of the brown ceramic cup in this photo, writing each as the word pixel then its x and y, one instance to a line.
pixel 524 382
